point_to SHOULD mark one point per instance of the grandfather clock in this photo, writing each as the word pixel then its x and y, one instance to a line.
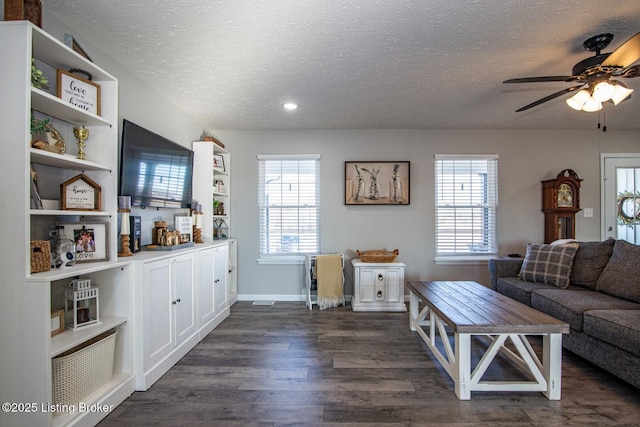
pixel 560 203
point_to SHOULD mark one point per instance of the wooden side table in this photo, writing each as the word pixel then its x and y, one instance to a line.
pixel 378 286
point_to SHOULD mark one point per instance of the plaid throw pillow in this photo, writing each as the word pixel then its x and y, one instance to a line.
pixel 548 264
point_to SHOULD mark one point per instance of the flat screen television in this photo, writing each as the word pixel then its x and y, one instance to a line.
pixel 154 171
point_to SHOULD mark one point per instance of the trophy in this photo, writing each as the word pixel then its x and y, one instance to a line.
pixel 81 134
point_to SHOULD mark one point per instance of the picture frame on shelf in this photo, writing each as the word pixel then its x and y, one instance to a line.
pixel 81 193
pixel 377 182
pixel 57 322
pixel 81 93
pixel 218 162
pixel 90 240
pixel 71 42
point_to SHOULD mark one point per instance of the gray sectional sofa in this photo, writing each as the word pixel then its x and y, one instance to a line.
pixel 599 297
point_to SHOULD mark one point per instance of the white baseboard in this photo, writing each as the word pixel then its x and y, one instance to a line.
pixel 282 298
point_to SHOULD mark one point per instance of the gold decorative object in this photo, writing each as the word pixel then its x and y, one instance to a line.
pixel 81 133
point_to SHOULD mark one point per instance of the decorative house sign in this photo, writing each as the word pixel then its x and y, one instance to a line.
pixel 80 193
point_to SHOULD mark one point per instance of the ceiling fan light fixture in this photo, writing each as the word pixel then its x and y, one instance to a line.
pixel 578 100
pixel 603 91
pixel 592 105
pixel 621 93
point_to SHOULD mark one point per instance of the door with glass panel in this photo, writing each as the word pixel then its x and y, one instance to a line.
pixel 621 197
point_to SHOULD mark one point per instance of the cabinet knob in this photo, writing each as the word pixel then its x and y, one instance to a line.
pixel 216 281
pixel 174 302
pixel 379 294
pixel 380 277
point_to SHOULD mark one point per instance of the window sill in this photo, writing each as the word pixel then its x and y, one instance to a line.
pixel 297 259
pixel 464 259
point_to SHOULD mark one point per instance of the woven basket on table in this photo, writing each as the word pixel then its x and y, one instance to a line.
pixel 378 255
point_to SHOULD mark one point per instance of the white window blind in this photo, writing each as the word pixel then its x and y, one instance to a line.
pixel 466 206
pixel 289 204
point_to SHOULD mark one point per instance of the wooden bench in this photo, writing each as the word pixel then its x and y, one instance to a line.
pixel 470 309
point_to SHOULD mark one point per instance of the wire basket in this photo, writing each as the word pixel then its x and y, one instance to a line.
pixel 378 255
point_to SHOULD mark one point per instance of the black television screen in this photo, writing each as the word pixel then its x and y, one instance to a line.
pixel 153 170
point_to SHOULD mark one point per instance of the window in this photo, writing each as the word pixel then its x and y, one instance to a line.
pixel 289 204
pixel 465 209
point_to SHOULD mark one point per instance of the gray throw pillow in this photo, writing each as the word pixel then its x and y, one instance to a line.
pixel 590 261
pixel 621 276
pixel 548 264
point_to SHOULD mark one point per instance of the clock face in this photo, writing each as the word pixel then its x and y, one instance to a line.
pixel 565 196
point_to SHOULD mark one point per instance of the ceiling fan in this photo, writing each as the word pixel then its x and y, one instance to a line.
pixel 596 73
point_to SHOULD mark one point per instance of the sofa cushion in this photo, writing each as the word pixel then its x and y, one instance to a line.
pixel 590 261
pixel 620 328
pixel 621 276
pixel 548 264
pixel 569 306
pixel 519 290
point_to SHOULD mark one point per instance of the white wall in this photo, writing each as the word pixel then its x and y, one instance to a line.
pixel 526 158
pixel 142 105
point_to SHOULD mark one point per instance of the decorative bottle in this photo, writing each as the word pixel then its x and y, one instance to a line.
pixel 63 250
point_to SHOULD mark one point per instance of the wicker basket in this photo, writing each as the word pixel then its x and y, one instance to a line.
pixel 40 256
pixel 79 374
pixel 379 255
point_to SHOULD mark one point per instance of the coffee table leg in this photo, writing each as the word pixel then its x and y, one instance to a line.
pixel 463 366
pixel 413 310
pixel 552 365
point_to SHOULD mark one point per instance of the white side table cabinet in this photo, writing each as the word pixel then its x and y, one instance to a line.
pixel 378 286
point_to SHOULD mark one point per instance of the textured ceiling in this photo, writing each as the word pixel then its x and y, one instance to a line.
pixel 361 63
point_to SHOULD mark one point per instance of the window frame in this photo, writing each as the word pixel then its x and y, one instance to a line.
pixel 285 257
pixel 490 203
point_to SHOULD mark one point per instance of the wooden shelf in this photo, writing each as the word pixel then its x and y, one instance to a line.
pixel 54 106
pixel 67 161
pixel 69 338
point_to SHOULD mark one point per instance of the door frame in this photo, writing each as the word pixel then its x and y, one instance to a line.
pixel 603 179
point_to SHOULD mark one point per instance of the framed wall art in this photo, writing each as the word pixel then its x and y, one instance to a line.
pixel 376 183
pixel 81 93
pixel 90 240
pixel 218 162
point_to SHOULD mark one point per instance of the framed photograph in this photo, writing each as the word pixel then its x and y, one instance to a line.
pixel 57 322
pixel 78 92
pixel 90 240
pixel 218 162
pixel 376 183
pixel 81 193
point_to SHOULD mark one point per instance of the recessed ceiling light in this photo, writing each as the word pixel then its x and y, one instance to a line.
pixel 290 106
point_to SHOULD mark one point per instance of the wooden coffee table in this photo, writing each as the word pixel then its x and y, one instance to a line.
pixel 470 309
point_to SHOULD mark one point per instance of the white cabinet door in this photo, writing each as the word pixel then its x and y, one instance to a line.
pixel 204 286
pixel 183 297
pixel 366 290
pixel 393 279
pixel 157 291
pixel 221 264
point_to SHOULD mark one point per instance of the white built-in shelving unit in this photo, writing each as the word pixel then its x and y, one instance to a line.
pixel 28 299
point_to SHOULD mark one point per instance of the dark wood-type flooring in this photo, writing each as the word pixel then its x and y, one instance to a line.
pixel 284 365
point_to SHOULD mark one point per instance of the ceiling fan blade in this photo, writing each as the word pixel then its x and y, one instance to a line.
pixel 630 72
pixel 625 55
pixel 543 79
pixel 549 98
